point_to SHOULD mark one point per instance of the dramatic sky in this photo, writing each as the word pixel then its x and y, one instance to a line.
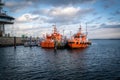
pixel 36 17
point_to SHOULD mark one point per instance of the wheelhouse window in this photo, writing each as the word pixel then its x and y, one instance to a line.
pixel 71 42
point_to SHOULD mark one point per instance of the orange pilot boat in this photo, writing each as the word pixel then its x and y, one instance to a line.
pixel 79 40
pixel 50 40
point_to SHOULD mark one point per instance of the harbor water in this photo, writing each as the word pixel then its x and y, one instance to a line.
pixel 100 61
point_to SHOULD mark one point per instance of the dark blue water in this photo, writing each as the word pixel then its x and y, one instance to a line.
pixel 100 61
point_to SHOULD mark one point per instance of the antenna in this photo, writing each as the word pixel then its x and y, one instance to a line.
pixel 63 32
pixel 80 28
pixel 71 34
pixel 86 30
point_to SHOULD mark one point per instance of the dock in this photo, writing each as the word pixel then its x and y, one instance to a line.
pixel 9 41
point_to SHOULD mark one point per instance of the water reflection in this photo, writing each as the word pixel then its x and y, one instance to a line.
pixel 76 51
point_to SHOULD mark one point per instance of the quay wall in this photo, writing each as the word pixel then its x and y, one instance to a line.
pixel 9 41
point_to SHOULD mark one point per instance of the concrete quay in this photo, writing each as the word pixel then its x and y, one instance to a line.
pixel 10 41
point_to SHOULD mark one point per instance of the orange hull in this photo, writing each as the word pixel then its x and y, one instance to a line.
pixel 79 45
pixel 47 44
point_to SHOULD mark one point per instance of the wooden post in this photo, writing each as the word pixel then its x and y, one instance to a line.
pixel 30 41
pixel 55 44
pixel 14 42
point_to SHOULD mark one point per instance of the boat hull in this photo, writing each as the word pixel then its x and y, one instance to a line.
pixel 78 45
pixel 47 44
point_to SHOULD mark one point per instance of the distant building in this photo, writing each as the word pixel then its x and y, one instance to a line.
pixel 4 19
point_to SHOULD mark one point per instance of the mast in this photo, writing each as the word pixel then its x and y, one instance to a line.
pixel 71 34
pixel 86 30
pixel 63 32
pixel 55 29
pixel 80 29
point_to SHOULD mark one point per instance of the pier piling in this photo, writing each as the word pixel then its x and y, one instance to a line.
pixel 14 42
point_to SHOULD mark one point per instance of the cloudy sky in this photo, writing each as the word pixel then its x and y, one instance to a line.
pixel 36 17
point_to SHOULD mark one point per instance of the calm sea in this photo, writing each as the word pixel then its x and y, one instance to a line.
pixel 100 61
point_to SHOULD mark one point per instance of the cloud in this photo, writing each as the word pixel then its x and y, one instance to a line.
pixel 108 3
pixel 55 2
pixel 27 18
pixel 105 33
pixel 110 18
pixel 106 6
pixel 62 11
pixel 65 2
pixel 110 25
pixel 32 30
pixel 68 11
pixel 63 14
pixel 94 19
pixel 19 5
pixel 95 13
pixel 98 17
pixel 117 12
